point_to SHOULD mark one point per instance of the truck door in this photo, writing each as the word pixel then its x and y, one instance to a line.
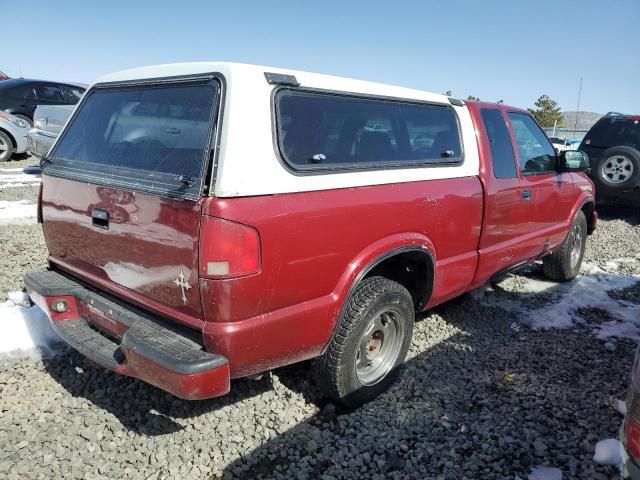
pixel 553 192
pixel 510 208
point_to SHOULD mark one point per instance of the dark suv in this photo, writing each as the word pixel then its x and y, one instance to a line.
pixel 20 96
pixel 613 146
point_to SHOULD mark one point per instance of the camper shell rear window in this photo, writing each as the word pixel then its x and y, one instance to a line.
pixel 149 137
pixel 330 131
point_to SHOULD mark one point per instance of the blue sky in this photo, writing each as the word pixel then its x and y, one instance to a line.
pixel 512 50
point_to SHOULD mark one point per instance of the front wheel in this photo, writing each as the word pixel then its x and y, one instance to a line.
pixel 6 147
pixel 371 341
pixel 564 264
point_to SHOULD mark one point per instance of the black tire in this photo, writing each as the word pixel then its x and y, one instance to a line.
pixel 617 170
pixel 25 118
pixel 6 147
pixel 564 264
pixel 340 371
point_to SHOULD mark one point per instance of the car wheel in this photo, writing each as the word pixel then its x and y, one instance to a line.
pixel 25 118
pixel 6 147
pixel 371 341
pixel 618 169
pixel 564 264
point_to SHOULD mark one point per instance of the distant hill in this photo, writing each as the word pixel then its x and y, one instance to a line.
pixel 585 119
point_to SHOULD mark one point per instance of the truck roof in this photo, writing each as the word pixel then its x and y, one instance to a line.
pixel 241 72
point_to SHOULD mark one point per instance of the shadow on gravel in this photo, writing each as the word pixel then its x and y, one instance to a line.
pixel 138 406
pixel 483 403
pixel 619 210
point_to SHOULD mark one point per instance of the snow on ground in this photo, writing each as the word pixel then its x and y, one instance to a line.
pixel 12 179
pixel 589 291
pixel 25 331
pixel 540 472
pixel 608 452
pixel 17 213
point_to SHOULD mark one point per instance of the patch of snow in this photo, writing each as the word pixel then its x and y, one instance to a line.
pixel 19 178
pixel 26 332
pixel 540 472
pixel 10 169
pixel 589 291
pixel 621 407
pixel 18 212
pixel 608 452
pixel 613 266
pixel 19 298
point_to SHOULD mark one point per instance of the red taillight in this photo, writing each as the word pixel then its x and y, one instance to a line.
pixel 228 249
pixel 632 437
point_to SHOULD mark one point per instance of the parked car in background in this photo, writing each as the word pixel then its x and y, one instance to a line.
pixel 20 96
pixel 573 144
pixel 613 146
pixel 48 120
pixel 559 144
pixel 630 431
pixel 13 136
pixel 210 221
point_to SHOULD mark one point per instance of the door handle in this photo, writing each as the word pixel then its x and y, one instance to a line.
pixel 100 218
pixel 526 195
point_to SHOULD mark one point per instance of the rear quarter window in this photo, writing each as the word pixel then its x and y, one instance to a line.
pixel 323 131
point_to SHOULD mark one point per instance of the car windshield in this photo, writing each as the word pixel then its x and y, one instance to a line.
pixel 163 130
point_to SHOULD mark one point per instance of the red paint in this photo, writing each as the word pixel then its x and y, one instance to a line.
pixel 194 386
pixel 294 257
pixel 517 231
pixel 148 241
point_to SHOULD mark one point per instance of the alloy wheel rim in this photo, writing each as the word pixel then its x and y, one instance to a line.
pixel 379 347
pixel 576 246
pixel 4 149
pixel 617 169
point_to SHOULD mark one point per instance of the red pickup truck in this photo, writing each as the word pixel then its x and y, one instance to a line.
pixel 211 221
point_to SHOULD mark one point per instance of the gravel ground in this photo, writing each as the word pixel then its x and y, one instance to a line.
pixel 474 400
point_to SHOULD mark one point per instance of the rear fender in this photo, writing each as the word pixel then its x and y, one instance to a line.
pixel 373 255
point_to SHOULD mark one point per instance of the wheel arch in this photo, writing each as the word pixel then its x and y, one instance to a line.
pixel 589 208
pixel 418 254
pixel 11 137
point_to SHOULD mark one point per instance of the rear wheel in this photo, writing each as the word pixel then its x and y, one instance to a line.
pixel 564 264
pixel 372 340
pixel 618 169
pixel 6 147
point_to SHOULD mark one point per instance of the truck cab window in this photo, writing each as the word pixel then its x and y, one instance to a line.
pixel 502 156
pixel 534 149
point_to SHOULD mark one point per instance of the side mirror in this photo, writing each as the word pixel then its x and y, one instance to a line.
pixel 573 161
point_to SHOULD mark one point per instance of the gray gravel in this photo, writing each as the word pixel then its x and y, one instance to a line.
pixel 475 400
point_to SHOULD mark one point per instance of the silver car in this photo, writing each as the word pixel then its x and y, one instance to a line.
pixel 13 136
pixel 48 121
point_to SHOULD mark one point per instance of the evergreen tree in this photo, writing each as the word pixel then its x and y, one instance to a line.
pixel 547 112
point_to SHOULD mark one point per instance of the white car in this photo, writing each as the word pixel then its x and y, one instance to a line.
pixel 13 136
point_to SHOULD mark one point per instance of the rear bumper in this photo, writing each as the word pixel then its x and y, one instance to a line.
pixel 39 143
pixel 128 342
